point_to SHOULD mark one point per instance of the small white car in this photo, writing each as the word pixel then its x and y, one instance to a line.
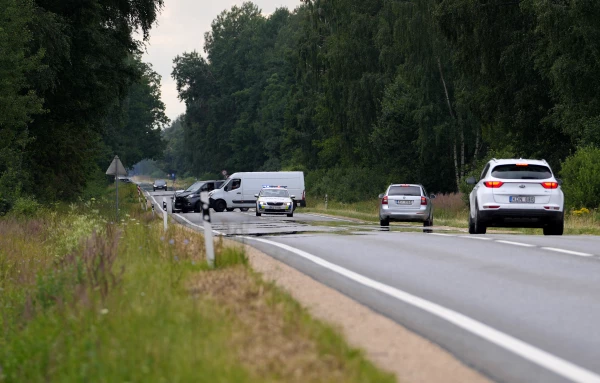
pixel 274 200
pixel 516 193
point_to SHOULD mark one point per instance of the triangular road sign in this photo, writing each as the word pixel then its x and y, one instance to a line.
pixel 116 168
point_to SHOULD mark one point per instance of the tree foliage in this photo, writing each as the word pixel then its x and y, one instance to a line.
pixel 64 65
pixel 417 91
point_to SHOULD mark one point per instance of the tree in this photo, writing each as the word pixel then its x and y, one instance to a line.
pixel 19 102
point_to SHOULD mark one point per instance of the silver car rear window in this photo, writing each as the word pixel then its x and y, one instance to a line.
pixel 405 190
pixel 521 172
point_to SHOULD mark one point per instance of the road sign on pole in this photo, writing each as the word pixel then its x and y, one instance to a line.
pixel 117 169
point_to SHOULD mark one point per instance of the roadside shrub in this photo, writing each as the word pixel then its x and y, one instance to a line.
pixel 25 207
pixel 346 185
pixel 581 176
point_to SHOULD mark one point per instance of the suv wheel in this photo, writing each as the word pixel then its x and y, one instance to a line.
pixel 244 209
pixel 384 222
pixel 229 209
pixel 220 206
pixel 471 224
pixel 479 228
pixel 197 208
pixel 556 228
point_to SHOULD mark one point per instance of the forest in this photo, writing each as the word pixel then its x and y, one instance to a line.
pixel 73 93
pixel 362 93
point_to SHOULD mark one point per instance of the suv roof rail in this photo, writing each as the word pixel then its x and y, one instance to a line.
pixel 493 159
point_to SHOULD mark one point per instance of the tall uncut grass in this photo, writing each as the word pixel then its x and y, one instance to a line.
pixel 84 298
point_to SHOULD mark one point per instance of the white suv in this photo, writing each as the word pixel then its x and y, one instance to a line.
pixel 516 193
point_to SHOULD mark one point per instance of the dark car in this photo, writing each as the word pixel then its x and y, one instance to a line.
pixel 189 199
pixel 160 184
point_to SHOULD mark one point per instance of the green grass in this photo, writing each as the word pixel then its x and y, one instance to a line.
pixel 83 299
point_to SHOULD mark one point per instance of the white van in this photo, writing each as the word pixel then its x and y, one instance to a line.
pixel 240 188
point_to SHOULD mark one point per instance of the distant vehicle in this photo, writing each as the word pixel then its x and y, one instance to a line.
pixel 160 184
pixel 516 193
pixel 240 188
pixel 189 199
pixel 125 179
pixel 406 203
pixel 274 200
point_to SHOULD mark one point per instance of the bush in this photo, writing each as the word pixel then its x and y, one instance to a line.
pixel 581 176
pixel 346 185
pixel 26 207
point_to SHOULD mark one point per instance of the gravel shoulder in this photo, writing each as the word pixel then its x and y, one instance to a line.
pixel 387 344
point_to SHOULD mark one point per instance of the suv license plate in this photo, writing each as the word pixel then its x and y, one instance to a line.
pixel 521 199
pixel 404 202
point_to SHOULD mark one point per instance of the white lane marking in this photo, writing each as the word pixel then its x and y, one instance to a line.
pixel 475 237
pixel 193 224
pixel 442 234
pixel 540 357
pixel 515 243
pixel 327 216
pixel 568 252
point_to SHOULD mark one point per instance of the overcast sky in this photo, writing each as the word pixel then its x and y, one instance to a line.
pixel 181 28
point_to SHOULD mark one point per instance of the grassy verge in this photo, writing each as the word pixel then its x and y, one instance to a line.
pixel 450 210
pixel 85 299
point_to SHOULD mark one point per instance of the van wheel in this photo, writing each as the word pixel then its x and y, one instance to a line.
pixel 290 215
pixel 220 206
pixel 229 209
pixel 244 209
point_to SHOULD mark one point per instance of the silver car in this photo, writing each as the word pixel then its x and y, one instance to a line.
pixel 406 203
pixel 274 200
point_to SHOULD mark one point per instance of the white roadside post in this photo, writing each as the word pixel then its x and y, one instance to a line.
pixel 165 215
pixel 208 234
pixel 325 201
pixel 152 210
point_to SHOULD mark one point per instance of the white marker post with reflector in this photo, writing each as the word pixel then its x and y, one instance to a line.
pixel 208 234
pixel 165 214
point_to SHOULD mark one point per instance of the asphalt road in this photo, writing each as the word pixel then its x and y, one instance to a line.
pixel 518 308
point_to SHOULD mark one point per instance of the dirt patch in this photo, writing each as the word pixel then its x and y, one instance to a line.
pixel 387 344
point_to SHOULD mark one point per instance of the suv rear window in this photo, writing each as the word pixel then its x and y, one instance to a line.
pixel 519 172
pixel 405 190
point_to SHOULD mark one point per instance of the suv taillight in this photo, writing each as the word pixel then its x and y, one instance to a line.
pixel 423 201
pixel 384 201
pixel 550 185
pixel 493 184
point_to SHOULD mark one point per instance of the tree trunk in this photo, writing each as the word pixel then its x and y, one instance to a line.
pixel 457 170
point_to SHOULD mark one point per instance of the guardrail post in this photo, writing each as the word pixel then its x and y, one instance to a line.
pixel 208 234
